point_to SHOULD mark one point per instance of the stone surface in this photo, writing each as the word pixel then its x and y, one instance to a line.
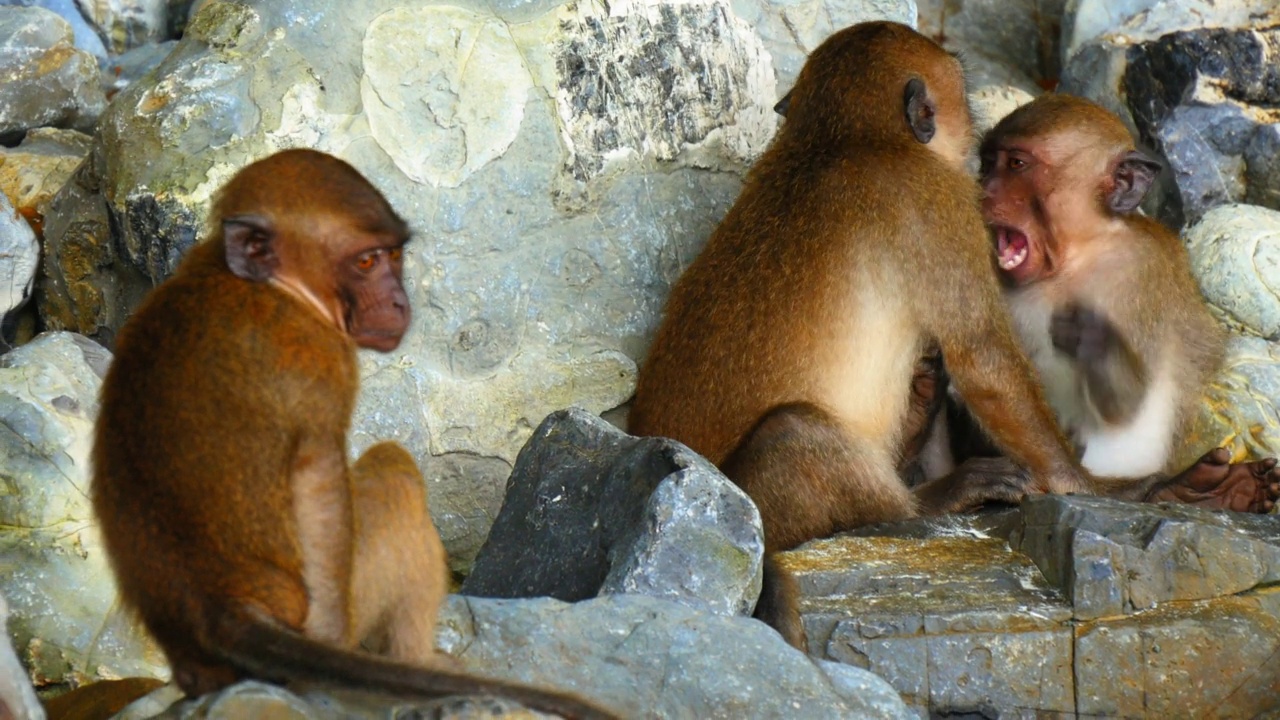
pixel 1004 42
pixel 53 570
pixel 646 657
pixel 1204 96
pixel 127 24
pixel 1086 20
pixel 961 624
pixel 990 103
pixel 34 171
pixel 1235 255
pixel 125 69
pixel 45 80
pixel 1114 558
pixel 86 35
pixel 590 510
pixel 954 623
pixel 17 698
pixel 553 205
pixel 1240 405
pixel 19 256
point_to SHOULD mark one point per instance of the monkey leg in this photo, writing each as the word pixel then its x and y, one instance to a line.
pixel 811 478
pixel 399 574
pixel 1215 482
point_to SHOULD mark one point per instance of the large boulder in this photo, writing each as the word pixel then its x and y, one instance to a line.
pixel 48 81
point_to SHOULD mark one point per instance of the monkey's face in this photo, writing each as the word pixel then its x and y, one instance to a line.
pixel 374 303
pixel 1013 206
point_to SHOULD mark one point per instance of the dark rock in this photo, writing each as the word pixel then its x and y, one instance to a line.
pixel 1202 98
pixel 590 510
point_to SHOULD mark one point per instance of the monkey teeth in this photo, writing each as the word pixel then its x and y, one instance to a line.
pixel 1012 261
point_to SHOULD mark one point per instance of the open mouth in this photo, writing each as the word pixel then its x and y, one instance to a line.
pixel 1012 247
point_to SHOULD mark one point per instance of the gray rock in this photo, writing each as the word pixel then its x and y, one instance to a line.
pixel 949 621
pixel 125 25
pixel 1139 20
pixel 1235 254
pixel 86 34
pixel 48 80
pixel 17 698
pixel 590 510
pixel 961 624
pixel 19 256
pixel 127 68
pixel 1113 558
pixel 56 576
pixel 646 657
pixel 1003 42
pixel 549 231
pixel 990 103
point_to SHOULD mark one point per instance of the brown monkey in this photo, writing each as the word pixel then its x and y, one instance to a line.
pixel 1104 302
pixel 787 351
pixel 234 525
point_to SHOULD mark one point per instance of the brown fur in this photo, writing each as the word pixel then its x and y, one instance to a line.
pixel 1065 173
pixel 234 525
pixel 787 352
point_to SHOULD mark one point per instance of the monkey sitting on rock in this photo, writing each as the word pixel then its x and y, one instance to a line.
pixel 1103 300
pixel 232 520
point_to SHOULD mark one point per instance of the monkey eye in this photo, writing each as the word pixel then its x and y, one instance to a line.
pixel 1015 163
pixel 395 253
pixel 366 261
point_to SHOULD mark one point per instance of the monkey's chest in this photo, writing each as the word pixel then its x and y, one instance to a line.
pixel 1059 376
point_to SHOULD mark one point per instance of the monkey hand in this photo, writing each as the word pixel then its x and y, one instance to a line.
pixel 1215 482
pixel 1081 333
pixel 977 483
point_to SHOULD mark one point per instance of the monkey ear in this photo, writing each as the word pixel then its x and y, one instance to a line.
pixel 783 105
pixel 1132 179
pixel 251 254
pixel 920 110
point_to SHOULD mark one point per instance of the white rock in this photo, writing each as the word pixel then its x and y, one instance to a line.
pixel 1235 254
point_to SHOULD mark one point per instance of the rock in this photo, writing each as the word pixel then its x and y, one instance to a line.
pixel 32 173
pixel 17 698
pixel 1138 20
pixel 961 623
pixel 125 25
pixel 1204 97
pixel 549 230
pixel 1240 410
pixel 1235 255
pixel 590 510
pixel 1003 43
pixel 48 81
pixel 122 71
pixel 646 657
pixel 990 103
pixel 86 35
pixel 1207 99
pixel 1115 558
pixel 56 577
pixel 19 256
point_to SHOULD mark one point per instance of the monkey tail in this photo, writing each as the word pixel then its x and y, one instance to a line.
pixel 262 648
pixel 779 604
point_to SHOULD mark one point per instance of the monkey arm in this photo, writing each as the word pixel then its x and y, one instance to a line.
pixel 1115 375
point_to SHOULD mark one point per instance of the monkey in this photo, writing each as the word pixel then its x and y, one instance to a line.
pixel 1104 301
pixel 232 520
pixel 787 348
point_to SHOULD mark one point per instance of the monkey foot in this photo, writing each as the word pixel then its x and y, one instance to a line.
pixel 1217 483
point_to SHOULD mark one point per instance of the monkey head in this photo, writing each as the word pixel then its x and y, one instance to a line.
pixel 1056 172
pixel 882 79
pixel 278 222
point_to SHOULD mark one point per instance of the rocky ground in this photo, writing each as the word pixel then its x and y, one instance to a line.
pixel 560 164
